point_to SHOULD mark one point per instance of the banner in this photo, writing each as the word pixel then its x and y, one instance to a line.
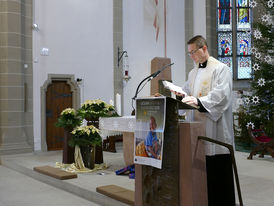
pixel 149 132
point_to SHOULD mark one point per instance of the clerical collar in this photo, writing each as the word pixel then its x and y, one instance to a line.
pixel 203 65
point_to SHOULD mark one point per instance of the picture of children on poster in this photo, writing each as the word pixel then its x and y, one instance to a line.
pixel 149 132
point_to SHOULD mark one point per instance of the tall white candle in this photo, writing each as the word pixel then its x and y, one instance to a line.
pixel 118 104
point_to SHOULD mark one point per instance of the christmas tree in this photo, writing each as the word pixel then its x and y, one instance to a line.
pixel 257 107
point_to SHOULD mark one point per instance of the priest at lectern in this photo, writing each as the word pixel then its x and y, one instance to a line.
pixel 209 86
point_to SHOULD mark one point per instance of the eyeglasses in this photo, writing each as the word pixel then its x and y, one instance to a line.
pixel 193 52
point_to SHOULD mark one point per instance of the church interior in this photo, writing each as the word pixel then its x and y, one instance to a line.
pixel 64 54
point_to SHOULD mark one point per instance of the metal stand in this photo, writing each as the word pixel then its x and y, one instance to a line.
pixel 231 150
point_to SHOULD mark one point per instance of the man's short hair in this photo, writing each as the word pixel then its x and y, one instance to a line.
pixel 198 40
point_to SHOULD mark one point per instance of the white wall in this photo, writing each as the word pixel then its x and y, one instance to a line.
pixel 139 41
pixel 79 35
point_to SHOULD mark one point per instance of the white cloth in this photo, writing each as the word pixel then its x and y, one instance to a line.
pixel 214 90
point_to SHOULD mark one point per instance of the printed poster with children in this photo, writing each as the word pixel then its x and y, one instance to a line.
pixel 149 132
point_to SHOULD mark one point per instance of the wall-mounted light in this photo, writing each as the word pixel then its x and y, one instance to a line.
pixel 126 68
pixel 125 64
pixel 35 27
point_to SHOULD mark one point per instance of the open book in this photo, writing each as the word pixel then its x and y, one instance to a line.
pixel 173 87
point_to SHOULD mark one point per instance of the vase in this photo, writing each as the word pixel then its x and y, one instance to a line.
pixel 68 152
pixel 98 148
pixel 88 156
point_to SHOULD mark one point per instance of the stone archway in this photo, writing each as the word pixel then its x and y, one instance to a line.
pixel 70 80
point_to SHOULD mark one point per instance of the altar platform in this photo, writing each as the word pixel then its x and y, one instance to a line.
pixel 256 178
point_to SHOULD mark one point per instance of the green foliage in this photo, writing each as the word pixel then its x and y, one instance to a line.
pixel 90 110
pixel 260 112
pixel 84 136
pixel 68 119
pixel 93 109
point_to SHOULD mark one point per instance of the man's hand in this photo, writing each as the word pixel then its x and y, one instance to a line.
pixel 190 100
pixel 177 93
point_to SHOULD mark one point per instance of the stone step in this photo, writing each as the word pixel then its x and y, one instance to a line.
pixel 79 186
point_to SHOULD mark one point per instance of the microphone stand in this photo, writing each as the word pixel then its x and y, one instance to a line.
pixel 150 77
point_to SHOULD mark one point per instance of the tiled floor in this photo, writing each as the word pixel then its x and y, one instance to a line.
pixel 256 180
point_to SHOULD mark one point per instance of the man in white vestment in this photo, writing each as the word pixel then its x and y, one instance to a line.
pixel 209 86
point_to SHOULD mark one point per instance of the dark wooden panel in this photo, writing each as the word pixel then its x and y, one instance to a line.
pixel 58 98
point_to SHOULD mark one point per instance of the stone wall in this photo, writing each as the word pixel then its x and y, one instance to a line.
pixel 16 115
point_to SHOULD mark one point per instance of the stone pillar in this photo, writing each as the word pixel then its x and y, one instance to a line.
pixel 118 42
pixel 16 116
pixel 189 33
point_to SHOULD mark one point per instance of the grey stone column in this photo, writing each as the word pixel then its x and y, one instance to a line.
pixel 118 42
pixel 189 32
pixel 211 32
pixel 16 115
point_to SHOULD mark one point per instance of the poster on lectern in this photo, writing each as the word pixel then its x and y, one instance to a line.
pixel 149 132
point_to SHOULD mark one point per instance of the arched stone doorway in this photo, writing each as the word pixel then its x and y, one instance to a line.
pixel 74 94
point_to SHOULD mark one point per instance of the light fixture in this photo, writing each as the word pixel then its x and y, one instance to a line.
pixel 126 68
pixel 35 27
pixel 126 76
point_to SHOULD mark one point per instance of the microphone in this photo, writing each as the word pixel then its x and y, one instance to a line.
pixel 155 74
pixel 150 77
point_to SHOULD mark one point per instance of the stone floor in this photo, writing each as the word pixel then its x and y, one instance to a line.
pixel 20 185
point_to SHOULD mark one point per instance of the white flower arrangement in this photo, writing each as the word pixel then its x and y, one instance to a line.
pixel 68 119
pixel 68 111
pixel 92 109
pixel 85 135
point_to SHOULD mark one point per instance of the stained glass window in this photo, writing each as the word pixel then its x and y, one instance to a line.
pixel 243 15
pixel 234 45
pixel 243 43
pixel 242 3
pixel 224 15
pixel 244 67
pixel 224 44
pixel 227 61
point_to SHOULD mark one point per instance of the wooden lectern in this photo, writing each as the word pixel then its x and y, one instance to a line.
pixel 182 179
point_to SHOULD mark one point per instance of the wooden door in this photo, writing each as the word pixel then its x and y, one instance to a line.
pixel 58 98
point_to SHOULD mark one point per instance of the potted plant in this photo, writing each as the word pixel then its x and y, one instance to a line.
pixel 68 119
pixel 91 110
pixel 86 138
